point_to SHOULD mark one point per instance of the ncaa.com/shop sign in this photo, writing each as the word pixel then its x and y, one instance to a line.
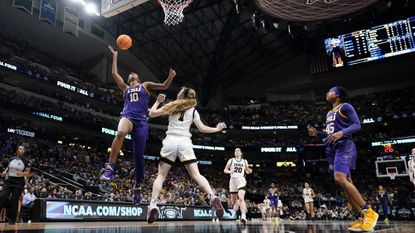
pixel 73 210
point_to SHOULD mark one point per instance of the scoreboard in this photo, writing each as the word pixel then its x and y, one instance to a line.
pixel 110 8
pixel 366 45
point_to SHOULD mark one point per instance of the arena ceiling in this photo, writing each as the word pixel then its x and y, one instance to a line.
pixel 213 46
pixel 218 45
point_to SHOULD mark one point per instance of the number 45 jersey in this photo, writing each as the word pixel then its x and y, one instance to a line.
pixel 135 103
pixel 337 120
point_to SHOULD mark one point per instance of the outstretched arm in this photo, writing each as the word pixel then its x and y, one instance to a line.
pixel 150 86
pixel 206 129
pixel 155 111
pixel 115 75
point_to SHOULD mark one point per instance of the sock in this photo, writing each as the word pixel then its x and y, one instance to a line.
pixel 365 207
pixel 113 165
pixel 243 216
pixel 153 202
pixel 211 196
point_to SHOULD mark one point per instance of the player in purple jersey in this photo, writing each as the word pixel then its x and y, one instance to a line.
pixel 273 197
pixel 383 200
pixel 342 121
pixel 133 119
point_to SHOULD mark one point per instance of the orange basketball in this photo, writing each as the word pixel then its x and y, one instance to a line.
pixel 124 42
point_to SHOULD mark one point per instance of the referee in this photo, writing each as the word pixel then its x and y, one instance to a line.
pixel 14 183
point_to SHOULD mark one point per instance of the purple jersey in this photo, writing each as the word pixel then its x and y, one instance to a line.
pixel 135 103
pixel 383 198
pixel 342 154
pixel 342 118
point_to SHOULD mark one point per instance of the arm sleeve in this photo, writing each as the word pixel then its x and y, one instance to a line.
pixel 351 114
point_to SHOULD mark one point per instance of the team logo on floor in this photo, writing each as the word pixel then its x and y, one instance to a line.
pixel 171 212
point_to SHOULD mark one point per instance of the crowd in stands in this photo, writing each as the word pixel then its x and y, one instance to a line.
pixel 89 118
pixel 83 165
pixel 51 69
pixel 396 103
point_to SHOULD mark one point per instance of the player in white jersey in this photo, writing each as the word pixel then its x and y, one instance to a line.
pixel 182 114
pixel 267 206
pixel 237 167
pixel 309 195
pixel 411 166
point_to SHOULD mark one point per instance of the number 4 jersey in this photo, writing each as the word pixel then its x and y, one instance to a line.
pixel 135 103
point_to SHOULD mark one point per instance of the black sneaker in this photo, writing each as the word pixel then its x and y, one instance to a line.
pixel 10 221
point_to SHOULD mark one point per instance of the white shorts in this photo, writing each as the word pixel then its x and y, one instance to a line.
pixel 308 200
pixel 174 146
pixel 236 183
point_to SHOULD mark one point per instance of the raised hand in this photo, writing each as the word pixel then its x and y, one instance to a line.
pixel 114 52
pixel 172 73
pixel 161 98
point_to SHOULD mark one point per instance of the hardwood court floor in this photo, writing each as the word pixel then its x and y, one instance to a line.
pixel 200 227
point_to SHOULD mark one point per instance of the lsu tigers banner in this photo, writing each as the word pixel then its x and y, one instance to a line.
pixel 48 9
pixel 26 5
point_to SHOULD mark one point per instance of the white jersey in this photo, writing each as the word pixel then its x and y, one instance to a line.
pixel 179 124
pixel 237 167
pixel 308 195
pixel 267 203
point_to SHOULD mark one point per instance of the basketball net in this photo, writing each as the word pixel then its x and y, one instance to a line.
pixel 392 175
pixel 173 10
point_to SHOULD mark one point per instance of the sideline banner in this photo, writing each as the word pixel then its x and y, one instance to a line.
pixel 76 210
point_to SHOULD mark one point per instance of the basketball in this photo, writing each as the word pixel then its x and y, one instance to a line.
pixel 124 42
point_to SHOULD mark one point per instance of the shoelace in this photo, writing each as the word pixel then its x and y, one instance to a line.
pixel 366 220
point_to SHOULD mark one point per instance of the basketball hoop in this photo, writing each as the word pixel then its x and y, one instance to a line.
pixel 392 175
pixel 173 10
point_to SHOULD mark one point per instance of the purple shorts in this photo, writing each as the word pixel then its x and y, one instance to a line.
pixel 342 156
pixel 273 201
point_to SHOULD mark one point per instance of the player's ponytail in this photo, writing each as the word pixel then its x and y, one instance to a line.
pixel 180 105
